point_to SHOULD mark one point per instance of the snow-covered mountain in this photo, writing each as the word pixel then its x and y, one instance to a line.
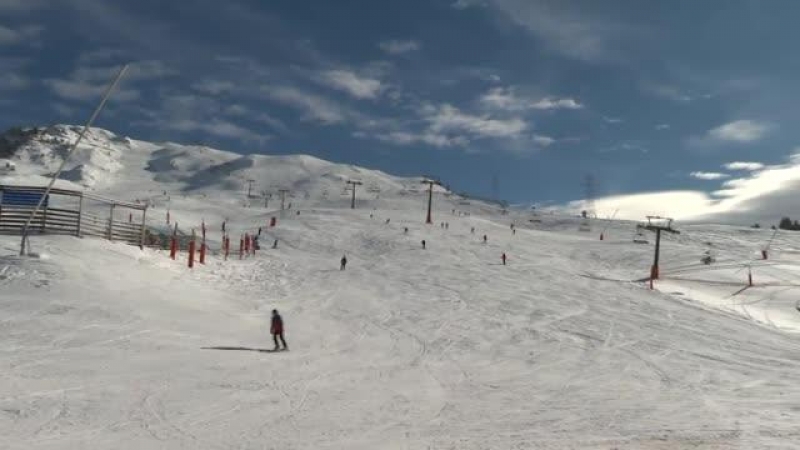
pixel 107 162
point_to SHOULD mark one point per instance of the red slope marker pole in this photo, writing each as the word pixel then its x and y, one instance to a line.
pixel 191 251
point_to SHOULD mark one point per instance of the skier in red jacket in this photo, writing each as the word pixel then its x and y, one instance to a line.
pixel 277 330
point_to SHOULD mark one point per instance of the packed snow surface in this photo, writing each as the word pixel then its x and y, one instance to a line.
pixel 104 345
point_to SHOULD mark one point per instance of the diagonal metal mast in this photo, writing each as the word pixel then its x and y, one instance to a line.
pixel 66 157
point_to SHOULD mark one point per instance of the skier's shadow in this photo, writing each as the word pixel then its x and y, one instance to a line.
pixel 246 349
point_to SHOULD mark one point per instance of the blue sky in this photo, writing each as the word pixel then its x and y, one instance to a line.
pixel 646 96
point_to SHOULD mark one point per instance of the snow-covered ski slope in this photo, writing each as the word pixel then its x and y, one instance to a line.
pixel 103 345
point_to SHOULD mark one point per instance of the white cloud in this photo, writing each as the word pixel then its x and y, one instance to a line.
pixel 100 55
pixel 13 82
pixel 708 175
pixel 744 165
pixel 544 141
pixel 219 128
pixel 200 114
pixel 507 98
pixel 565 29
pixel 353 84
pixel 449 118
pixel 396 47
pixel 214 87
pixel 10 36
pixel 239 110
pixel 764 196
pixel 137 71
pixel 271 121
pixel 426 137
pixel 557 103
pixel 315 107
pixel 666 91
pixel 662 126
pixel 504 98
pixel 82 90
pixel 88 83
pixel 464 4
pixel 676 204
pixel 739 131
pixel 612 120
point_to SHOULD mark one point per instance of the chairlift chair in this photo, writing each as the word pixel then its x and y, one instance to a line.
pixel 639 237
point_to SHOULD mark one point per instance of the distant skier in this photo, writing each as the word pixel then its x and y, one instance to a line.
pixel 387 221
pixel 344 262
pixel 277 330
pixel 259 231
pixel 472 230
pixel 275 244
pixel 405 230
pixel 423 244
pixel 503 257
pixel 447 225
pixel 484 239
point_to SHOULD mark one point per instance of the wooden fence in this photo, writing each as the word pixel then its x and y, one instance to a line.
pixel 69 212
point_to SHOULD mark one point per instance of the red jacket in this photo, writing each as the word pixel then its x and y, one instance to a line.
pixel 277 325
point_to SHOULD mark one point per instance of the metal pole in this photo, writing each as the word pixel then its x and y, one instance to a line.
pixel 658 249
pixel 67 156
pixel 353 199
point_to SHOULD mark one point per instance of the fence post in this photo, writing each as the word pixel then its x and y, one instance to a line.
pixel 144 215
pixel 80 215
pixel 203 251
pixel 111 224
pixel 226 243
pixel 241 247
pixel 247 244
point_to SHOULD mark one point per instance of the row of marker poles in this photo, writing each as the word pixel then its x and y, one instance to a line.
pixel 246 245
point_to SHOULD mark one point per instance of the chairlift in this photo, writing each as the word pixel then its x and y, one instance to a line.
pixel 639 237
